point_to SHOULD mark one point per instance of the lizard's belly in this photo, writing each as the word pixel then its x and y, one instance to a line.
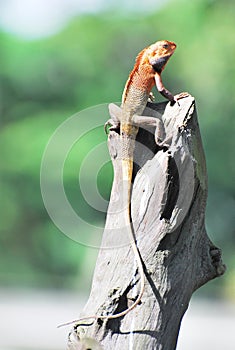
pixel 135 102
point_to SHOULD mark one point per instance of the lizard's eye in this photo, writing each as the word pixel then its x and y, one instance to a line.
pixel 165 46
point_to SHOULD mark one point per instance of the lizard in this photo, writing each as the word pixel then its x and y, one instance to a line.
pixel 146 73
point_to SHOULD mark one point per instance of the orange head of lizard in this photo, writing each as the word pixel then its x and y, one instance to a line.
pixel 159 53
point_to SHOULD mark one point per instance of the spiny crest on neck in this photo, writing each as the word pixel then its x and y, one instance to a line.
pixel 140 61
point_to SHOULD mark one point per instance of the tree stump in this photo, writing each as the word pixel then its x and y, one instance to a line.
pixel 168 215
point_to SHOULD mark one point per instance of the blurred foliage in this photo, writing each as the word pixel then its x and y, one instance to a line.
pixel 43 82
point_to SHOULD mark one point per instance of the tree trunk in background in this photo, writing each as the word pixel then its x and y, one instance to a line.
pixel 168 214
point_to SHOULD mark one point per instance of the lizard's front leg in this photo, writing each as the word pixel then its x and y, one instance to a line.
pixel 166 93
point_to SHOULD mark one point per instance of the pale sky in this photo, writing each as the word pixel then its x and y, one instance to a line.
pixel 38 18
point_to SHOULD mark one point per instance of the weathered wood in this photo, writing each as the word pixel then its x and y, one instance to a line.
pixel 168 213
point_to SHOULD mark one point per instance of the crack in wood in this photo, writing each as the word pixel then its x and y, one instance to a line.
pixel 172 189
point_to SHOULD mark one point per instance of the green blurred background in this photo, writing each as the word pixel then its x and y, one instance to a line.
pixel 46 79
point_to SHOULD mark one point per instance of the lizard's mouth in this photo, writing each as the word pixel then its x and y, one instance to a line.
pixel 159 63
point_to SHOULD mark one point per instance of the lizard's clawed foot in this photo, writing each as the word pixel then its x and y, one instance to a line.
pixel 181 95
pixel 111 125
pixel 162 144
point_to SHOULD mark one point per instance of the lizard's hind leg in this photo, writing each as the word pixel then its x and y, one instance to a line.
pixel 160 135
pixel 114 122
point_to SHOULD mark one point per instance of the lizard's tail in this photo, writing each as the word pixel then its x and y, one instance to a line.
pixel 142 281
pixel 127 175
pixel 127 167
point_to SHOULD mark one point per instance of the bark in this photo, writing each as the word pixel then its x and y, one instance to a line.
pixel 168 214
